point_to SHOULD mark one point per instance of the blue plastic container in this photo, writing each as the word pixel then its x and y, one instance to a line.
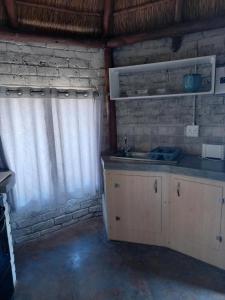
pixel 192 83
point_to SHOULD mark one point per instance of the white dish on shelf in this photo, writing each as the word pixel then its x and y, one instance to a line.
pixel 161 91
pixel 142 92
pixel 130 93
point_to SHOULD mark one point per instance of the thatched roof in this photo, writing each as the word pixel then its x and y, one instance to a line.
pixel 85 17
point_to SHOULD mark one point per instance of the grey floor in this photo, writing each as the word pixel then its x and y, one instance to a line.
pixel 80 264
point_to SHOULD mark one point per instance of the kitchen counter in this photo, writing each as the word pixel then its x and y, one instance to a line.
pixel 4 175
pixel 7 181
pixel 189 165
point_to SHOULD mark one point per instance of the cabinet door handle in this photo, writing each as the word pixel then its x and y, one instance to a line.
pixel 116 185
pixel 117 218
pixel 178 189
pixel 156 186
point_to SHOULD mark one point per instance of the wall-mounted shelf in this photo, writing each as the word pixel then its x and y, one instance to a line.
pixel 126 83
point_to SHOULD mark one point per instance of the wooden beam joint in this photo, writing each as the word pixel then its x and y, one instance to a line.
pixel 108 7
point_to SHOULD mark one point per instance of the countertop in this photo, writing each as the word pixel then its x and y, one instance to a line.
pixel 4 175
pixel 7 181
pixel 189 165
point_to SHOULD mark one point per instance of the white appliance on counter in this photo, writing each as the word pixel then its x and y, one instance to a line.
pixel 220 80
pixel 213 151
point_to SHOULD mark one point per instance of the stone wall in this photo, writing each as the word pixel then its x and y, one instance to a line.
pixel 50 65
pixel 150 123
pixel 60 66
pixel 41 224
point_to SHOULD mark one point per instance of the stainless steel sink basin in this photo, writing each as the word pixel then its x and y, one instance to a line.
pixel 139 156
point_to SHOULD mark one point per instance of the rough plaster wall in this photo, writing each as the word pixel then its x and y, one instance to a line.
pixel 149 123
pixel 52 65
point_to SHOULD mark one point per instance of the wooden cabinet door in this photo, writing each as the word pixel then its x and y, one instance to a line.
pixel 135 207
pixel 222 232
pixel 195 215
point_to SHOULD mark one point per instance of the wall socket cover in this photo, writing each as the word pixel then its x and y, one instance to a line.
pixel 192 130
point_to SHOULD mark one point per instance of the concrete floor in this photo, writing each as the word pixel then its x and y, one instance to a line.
pixel 80 264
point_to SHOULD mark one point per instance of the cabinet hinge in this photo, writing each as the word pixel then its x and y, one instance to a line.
pixel 219 238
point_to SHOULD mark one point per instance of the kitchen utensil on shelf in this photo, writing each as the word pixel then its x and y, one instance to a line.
pixel 192 82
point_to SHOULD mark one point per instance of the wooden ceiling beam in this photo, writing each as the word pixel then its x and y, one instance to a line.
pixel 10 7
pixel 170 31
pixel 108 7
pixel 178 18
pixel 8 35
pixel 108 63
pixel 179 11
pixel 62 10
pixel 110 105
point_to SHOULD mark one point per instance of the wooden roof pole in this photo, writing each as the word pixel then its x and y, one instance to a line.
pixel 177 40
pixel 10 7
pixel 179 11
pixel 171 31
pixel 110 105
pixel 108 59
pixel 108 6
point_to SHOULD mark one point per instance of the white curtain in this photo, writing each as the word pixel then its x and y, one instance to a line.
pixel 53 146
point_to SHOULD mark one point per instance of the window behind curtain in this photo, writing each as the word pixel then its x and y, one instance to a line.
pixel 53 147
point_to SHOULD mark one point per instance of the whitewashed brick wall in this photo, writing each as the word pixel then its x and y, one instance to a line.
pixel 41 224
pixel 50 65
pixel 149 123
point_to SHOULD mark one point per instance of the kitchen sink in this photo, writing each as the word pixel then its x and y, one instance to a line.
pixel 140 156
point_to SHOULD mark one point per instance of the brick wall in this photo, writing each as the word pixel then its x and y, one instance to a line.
pixel 51 65
pixel 149 123
pixel 43 223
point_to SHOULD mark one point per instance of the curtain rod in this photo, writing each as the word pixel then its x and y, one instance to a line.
pixel 19 91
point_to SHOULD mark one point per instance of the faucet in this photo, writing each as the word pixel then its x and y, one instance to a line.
pixel 126 148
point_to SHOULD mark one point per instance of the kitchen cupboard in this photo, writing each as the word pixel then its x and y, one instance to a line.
pixel 195 216
pixel 134 203
pixel 222 230
pixel 183 213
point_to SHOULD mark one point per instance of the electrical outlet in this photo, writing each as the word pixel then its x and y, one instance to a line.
pixel 192 130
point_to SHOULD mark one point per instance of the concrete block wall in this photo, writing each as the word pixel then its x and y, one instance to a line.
pixel 60 66
pixel 149 123
pixel 50 65
pixel 41 224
